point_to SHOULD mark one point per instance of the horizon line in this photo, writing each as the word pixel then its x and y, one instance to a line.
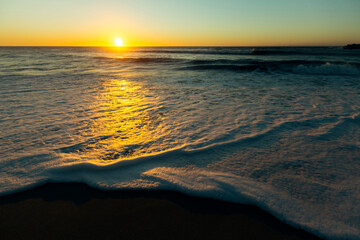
pixel 223 46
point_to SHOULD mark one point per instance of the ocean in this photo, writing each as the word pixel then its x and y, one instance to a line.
pixel 275 127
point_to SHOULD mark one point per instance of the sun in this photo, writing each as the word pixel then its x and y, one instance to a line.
pixel 119 42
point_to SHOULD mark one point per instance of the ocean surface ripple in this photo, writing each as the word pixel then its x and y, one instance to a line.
pixel 274 127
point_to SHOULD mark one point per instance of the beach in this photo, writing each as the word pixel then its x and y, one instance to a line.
pixel 178 142
pixel 179 119
pixel 77 211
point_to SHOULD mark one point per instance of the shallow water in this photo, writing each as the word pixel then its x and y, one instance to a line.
pixel 274 127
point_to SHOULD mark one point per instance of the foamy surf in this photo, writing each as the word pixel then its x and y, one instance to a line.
pixel 276 127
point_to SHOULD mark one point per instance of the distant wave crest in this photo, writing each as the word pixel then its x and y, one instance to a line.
pixel 313 67
pixel 295 66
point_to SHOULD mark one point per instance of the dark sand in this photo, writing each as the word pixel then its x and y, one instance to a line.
pixel 77 211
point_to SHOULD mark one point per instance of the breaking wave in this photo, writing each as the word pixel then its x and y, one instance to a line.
pixel 315 67
pixel 277 127
pixel 290 66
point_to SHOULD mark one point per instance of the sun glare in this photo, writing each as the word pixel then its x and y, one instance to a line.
pixel 118 42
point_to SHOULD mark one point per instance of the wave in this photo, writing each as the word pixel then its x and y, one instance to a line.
pixel 289 66
pixel 294 155
pixel 183 170
pixel 142 59
pixel 252 51
pixel 339 128
pixel 200 52
pixel 20 69
pixel 316 67
pixel 192 149
pixel 328 69
pixel 152 172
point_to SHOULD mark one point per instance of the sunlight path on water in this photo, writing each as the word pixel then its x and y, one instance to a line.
pixel 123 125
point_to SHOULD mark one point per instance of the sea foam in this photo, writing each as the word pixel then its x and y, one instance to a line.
pixel 277 127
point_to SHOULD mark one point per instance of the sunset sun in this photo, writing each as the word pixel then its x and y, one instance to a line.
pixel 180 118
pixel 119 42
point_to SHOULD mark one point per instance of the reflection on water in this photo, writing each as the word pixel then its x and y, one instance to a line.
pixel 123 124
pixel 279 130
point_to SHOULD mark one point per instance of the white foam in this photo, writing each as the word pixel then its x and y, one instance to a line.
pixel 312 213
pixel 328 69
pixel 288 143
pixel 228 187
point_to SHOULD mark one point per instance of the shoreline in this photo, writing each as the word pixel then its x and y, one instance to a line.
pixel 78 211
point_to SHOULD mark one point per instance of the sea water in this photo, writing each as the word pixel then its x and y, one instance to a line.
pixel 278 128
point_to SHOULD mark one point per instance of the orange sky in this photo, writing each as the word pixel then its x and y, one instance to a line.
pixel 178 23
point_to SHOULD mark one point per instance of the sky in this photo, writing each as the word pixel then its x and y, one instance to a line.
pixel 179 22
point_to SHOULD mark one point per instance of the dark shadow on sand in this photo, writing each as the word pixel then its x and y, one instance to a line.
pixel 77 211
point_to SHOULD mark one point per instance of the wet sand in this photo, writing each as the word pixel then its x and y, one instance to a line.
pixel 77 211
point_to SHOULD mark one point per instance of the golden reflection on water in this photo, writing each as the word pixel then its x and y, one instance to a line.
pixel 123 124
pixel 119 50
